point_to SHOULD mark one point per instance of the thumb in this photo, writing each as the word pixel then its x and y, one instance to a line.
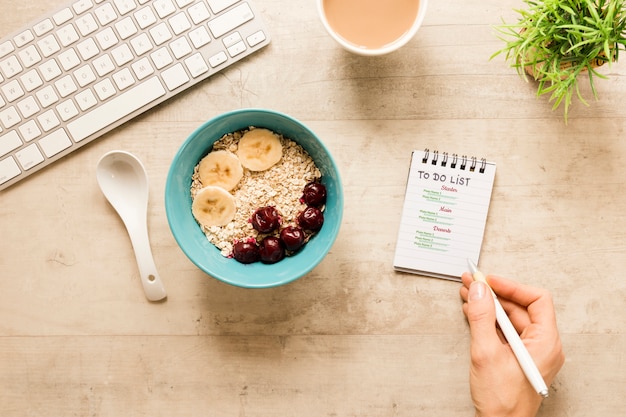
pixel 481 315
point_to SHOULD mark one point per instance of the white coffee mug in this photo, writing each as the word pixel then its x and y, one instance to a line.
pixel 372 27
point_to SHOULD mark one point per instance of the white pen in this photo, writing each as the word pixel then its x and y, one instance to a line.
pixel 519 349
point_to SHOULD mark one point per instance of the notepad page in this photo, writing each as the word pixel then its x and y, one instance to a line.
pixel 443 218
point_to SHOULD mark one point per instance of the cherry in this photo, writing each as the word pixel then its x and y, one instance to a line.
pixel 314 194
pixel 265 219
pixel 311 218
pixel 246 251
pixel 292 237
pixel 271 250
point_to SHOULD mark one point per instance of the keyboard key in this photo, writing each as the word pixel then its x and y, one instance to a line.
pixel 65 86
pixel 31 80
pixel 105 14
pixel 67 110
pixel 196 65
pixel 86 99
pixel 48 46
pixel 9 141
pixel 29 56
pixel 115 109
pixel 10 66
pixel 82 6
pixel 219 5
pixel 104 89
pixel 28 107
pixel 50 70
pixel 183 3
pixel 29 157
pixel 43 27
pixel 47 96
pixel 67 35
pixel 48 120
pixel 179 23
pixel 62 16
pixel 84 75
pixel 88 49
pixel 9 117
pixel 145 17
pixel 12 90
pixel 231 20
pixel 122 54
pixel 231 39
pixel 175 76
pixel 142 68
pixel 6 48
pixel 106 38
pixel 125 6
pixel 8 170
pixel 161 58
pixel 86 24
pixel 141 44
pixel 180 47
pixel 126 28
pixel 123 79
pixel 256 38
pixel 103 65
pixel 55 143
pixel 218 59
pixel 29 130
pixel 160 34
pixel 23 38
pixel 199 37
pixel 198 13
pixel 164 8
pixel 69 59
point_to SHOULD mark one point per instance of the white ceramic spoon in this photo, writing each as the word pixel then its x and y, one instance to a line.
pixel 123 181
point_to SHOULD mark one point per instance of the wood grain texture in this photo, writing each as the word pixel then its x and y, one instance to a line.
pixel 353 337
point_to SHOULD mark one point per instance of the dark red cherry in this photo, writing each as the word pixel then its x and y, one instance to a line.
pixel 314 194
pixel 246 251
pixel 265 219
pixel 292 237
pixel 271 250
pixel 311 218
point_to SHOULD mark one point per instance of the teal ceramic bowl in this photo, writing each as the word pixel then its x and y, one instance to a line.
pixel 192 240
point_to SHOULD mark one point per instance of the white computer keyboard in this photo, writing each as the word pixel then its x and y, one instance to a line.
pixel 80 71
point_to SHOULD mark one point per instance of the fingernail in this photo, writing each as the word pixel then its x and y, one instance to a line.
pixel 477 291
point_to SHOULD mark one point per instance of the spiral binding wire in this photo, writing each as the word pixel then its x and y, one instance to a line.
pixel 462 161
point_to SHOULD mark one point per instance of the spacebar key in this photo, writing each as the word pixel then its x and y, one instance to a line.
pixel 115 109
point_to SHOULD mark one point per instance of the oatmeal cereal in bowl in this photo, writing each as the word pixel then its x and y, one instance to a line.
pixel 254 198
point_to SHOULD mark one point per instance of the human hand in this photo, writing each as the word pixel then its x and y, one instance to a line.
pixel 497 383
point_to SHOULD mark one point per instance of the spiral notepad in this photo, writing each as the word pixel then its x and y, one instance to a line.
pixel 444 214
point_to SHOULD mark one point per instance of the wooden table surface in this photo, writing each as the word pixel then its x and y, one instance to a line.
pixel 353 337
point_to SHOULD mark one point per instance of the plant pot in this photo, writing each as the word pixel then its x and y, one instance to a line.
pixel 595 63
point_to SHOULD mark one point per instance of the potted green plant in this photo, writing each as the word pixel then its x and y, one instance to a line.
pixel 557 41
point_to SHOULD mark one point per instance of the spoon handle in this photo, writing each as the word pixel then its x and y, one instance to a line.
pixel 150 279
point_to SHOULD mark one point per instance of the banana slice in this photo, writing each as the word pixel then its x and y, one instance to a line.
pixel 259 149
pixel 213 206
pixel 220 168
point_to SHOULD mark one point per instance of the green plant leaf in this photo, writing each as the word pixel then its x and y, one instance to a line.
pixel 560 40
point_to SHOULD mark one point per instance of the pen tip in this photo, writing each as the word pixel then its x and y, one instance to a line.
pixel 472 266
